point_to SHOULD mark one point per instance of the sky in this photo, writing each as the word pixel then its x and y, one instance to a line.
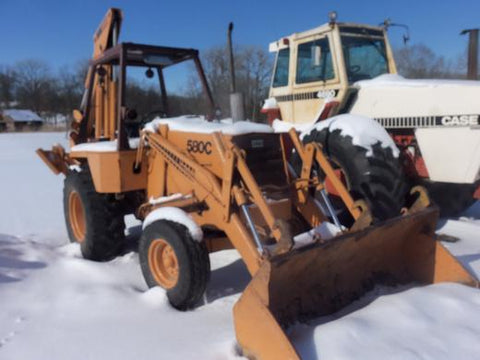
pixel 60 32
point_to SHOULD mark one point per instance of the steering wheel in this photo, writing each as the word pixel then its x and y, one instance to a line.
pixel 149 116
pixel 133 125
pixel 354 69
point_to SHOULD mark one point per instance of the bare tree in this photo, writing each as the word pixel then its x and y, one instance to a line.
pixel 8 82
pixel 70 87
pixel 420 62
pixel 34 84
pixel 254 80
pixel 253 68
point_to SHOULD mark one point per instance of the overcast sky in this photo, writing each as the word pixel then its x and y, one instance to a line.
pixel 60 32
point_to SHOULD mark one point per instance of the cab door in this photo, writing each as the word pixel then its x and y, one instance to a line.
pixel 315 79
pixel 280 89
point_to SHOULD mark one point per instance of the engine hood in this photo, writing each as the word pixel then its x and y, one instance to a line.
pixel 423 102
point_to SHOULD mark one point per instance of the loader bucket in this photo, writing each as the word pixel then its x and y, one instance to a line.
pixel 320 279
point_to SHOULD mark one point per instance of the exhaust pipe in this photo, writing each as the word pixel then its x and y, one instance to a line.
pixel 237 102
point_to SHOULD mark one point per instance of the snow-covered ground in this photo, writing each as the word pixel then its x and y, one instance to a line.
pixel 55 305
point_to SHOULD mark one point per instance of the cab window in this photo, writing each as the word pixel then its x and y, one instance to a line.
pixel 280 77
pixel 308 70
pixel 365 57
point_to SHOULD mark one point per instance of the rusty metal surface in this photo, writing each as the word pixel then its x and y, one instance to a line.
pixel 320 279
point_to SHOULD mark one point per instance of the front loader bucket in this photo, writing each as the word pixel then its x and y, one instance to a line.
pixel 320 279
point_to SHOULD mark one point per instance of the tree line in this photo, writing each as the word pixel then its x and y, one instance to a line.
pixel 32 84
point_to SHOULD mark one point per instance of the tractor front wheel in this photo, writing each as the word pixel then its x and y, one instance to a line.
pixel 172 259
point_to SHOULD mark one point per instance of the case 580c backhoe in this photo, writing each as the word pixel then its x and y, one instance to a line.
pixel 201 187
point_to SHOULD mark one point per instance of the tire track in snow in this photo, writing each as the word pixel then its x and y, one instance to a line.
pixel 9 337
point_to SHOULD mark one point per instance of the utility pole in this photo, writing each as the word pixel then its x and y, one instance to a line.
pixel 472 73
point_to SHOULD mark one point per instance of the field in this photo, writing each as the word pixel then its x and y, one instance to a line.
pixel 54 305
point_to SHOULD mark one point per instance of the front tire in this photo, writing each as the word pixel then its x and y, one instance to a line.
pixel 172 259
pixel 93 220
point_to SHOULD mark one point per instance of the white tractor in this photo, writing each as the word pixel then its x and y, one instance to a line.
pixel 347 71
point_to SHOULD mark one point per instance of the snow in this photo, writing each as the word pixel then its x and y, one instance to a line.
pixel 364 131
pixel 394 80
pixel 55 305
pixel 176 215
pixel 280 126
pixel 325 231
pixel 103 146
pixel 198 124
pixel 270 103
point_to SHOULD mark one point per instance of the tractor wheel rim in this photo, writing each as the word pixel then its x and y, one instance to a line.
pixel 163 263
pixel 77 216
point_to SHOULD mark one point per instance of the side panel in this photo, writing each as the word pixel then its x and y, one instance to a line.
pixel 396 99
pixel 156 176
pixel 113 172
pixel 451 154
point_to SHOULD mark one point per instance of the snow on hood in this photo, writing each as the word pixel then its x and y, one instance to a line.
pixel 198 124
pixel 365 132
pixel 394 80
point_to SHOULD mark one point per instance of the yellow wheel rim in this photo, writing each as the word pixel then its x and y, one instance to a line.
pixel 77 216
pixel 163 263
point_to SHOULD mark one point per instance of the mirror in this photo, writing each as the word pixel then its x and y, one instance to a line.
pixel 131 114
pixel 149 73
pixel 316 55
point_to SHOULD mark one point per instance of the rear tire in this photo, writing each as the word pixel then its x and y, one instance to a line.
pixel 170 258
pixel 93 220
pixel 378 178
pixel 452 199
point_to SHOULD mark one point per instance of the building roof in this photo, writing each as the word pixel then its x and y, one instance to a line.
pixel 18 115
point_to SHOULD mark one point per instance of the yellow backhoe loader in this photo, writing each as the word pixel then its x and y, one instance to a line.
pixel 202 186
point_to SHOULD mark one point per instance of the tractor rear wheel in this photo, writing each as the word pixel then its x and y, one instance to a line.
pixel 172 259
pixel 452 199
pixel 378 178
pixel 93 220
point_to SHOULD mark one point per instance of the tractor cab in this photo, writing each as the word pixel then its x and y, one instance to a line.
pixel 322 64
pixel 110 108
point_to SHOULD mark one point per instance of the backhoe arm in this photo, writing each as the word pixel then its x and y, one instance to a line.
pixel 99 89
